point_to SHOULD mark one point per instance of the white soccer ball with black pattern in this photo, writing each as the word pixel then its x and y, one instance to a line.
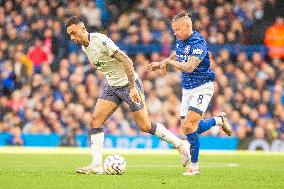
pixel 114 165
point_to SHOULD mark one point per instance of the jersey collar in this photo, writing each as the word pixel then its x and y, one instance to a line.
pixel 189 38
pixel 89 38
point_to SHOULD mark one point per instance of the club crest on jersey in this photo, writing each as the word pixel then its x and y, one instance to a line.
pixel 186 49
pixel 197 51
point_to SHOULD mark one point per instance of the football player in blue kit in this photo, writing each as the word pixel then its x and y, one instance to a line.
pixel 191 57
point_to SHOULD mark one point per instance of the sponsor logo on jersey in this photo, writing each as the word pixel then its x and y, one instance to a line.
pixel 99 64
pixel 197 51
pixel 187 49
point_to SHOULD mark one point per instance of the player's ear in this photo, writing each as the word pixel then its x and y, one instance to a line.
pixel 187 21
pixel 82 25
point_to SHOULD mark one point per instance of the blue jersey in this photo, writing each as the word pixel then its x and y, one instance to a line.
pixel 196 46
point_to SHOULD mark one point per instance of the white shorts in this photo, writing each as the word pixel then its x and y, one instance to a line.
pixel 196 99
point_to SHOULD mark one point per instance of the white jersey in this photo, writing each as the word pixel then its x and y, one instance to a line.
pixel 99 52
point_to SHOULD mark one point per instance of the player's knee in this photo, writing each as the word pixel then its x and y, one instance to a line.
pixel 189 128
pixel 190 125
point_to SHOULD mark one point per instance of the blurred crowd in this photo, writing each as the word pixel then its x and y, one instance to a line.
pixel 47 84
pixel 219 21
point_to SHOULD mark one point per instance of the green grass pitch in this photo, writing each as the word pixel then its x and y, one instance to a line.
pixel 54 168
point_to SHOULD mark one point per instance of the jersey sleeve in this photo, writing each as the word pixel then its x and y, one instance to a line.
pixel 199 50
pixel 109 44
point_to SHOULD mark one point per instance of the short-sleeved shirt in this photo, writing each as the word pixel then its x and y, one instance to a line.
pixel 99 52
pixel 196 46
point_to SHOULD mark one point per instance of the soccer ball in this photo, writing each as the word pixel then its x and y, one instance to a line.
pixel 115 165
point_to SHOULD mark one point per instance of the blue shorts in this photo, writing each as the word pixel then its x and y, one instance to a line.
pixel 121 94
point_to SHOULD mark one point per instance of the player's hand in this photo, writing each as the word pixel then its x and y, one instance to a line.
pixel 154 66
pixel 164 70
pixel 164 63
pixel 134 95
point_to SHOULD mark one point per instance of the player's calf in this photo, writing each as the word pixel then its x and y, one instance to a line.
pixel 221 120
pixel 146 128
pixel 182 146
pixel 184 151
pixel 189 126
pixel 97 142
pixel 159 130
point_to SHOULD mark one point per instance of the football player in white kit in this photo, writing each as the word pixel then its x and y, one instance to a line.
pixel 123 85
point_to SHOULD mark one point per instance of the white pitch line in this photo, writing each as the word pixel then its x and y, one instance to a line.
pixel 178 166
pixel 206 165
pixel 79 151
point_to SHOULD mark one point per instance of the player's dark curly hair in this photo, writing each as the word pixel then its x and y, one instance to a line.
pixel 181 15
pixel 73 20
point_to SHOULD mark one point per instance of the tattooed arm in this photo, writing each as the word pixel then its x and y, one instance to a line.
pixel 161 65
pixel 127 65
pixel 172 57
pixel 188 66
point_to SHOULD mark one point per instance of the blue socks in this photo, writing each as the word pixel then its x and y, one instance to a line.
pixel 194 146
pixel 205 125
pixel 193 139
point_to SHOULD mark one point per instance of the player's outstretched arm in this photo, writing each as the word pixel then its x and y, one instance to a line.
pixel 127 63
pixel 172 57
pixel 188 66
pixel 161 65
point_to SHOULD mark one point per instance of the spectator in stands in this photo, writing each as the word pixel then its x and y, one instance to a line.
pixel 259 133
pixel 38 55
pixel 274 38
pixel 93 15
pixel 7 78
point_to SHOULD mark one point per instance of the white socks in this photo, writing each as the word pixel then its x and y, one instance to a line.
pixel 218 120
pixel 166 135
pixel 194 165
pixel 97 143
